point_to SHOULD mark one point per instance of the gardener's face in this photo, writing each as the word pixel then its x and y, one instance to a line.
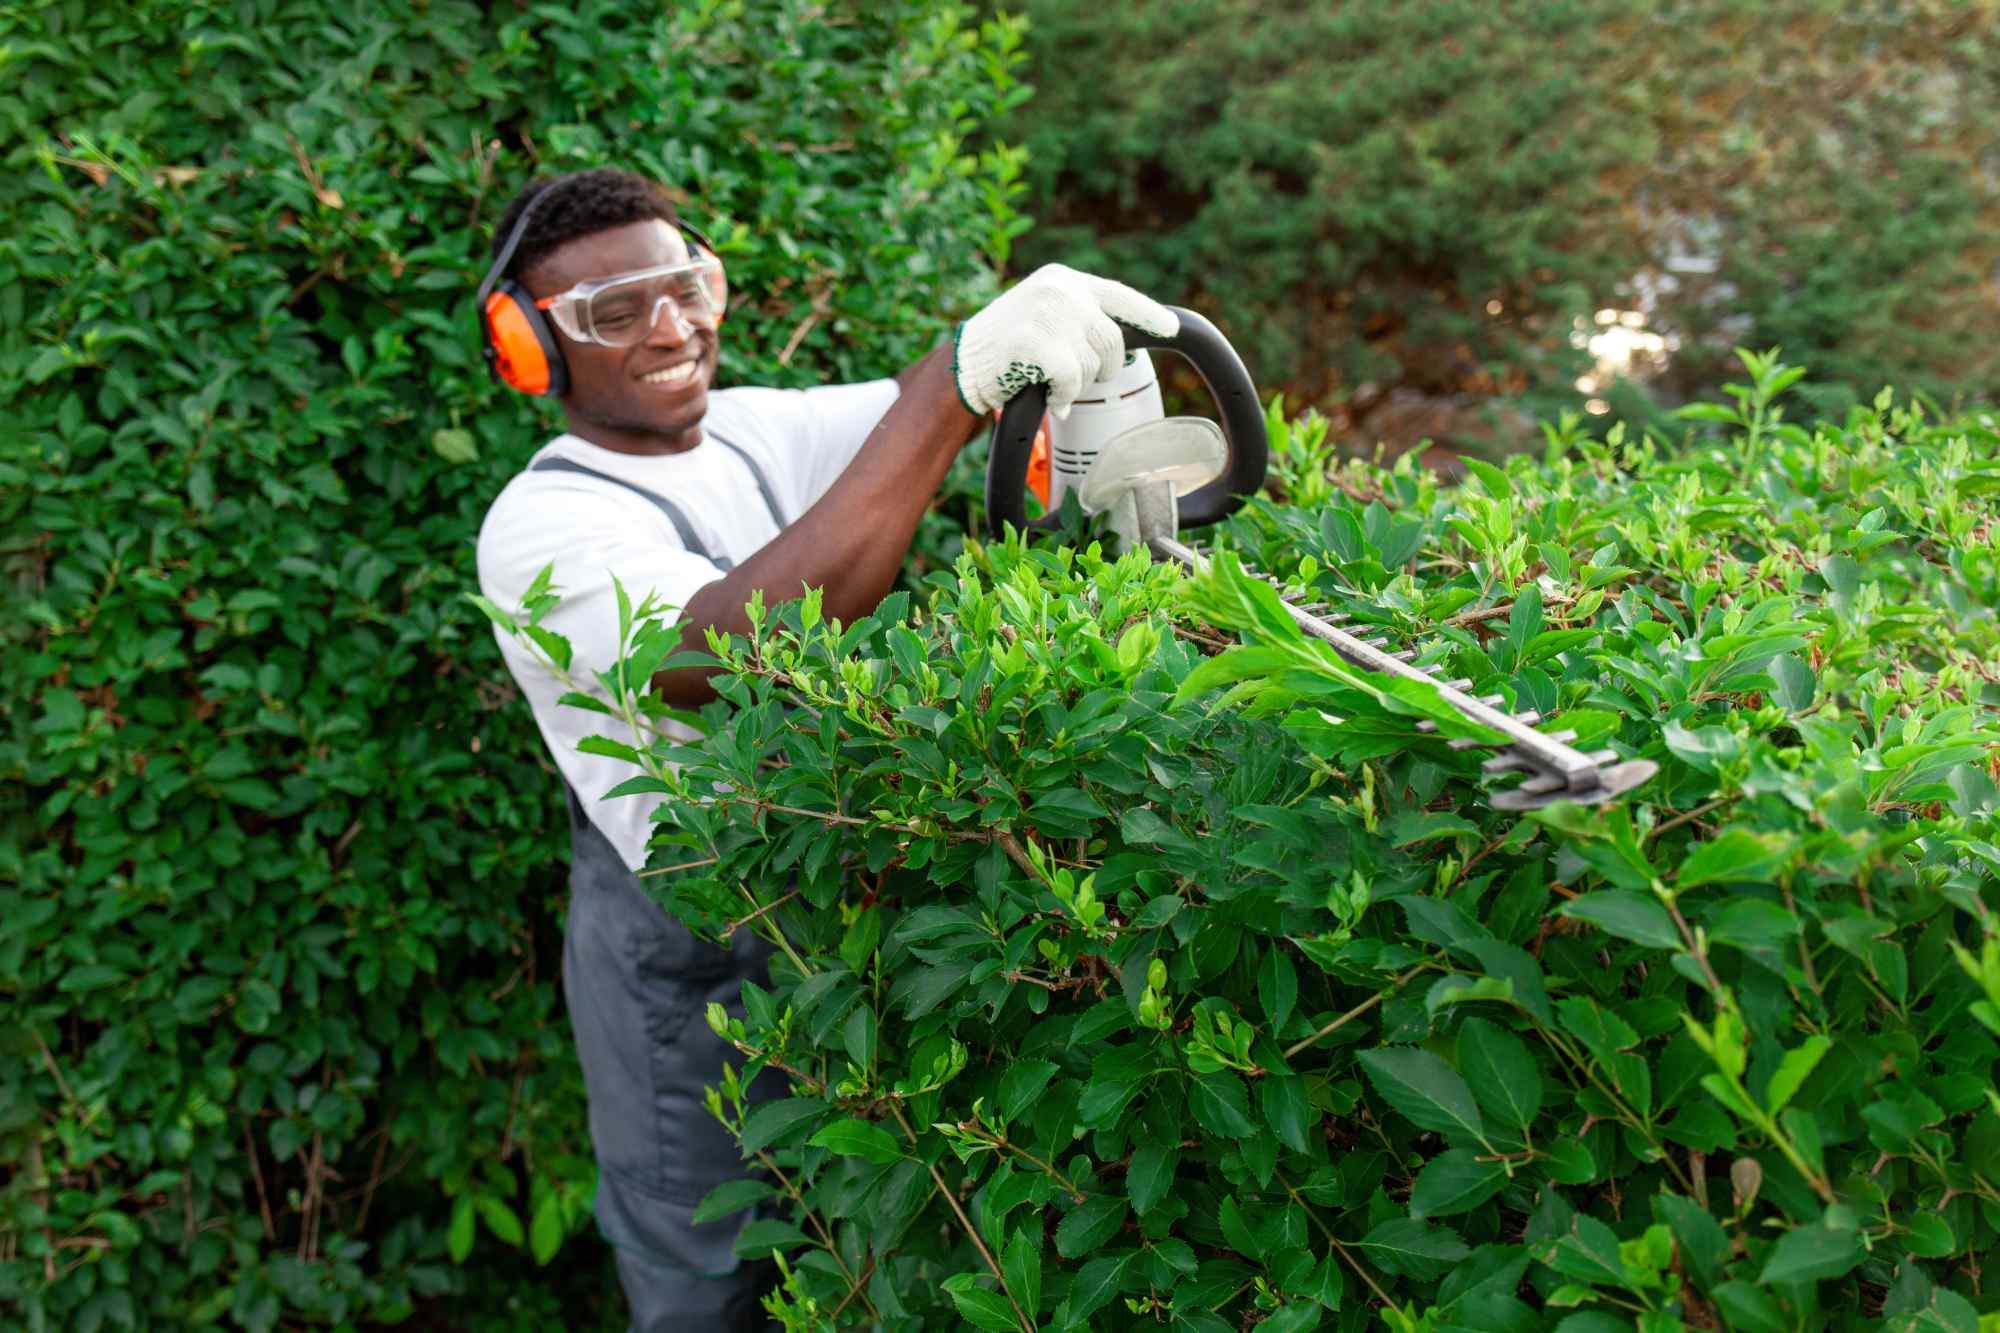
pixel 648 398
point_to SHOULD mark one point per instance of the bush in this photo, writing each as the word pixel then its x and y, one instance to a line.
pixel 1108 1002
pixel 283 865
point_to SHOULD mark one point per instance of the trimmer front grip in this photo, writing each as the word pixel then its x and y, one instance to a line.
pixel 1228 383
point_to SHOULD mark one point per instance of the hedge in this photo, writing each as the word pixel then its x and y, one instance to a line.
pixel 1144 967
pixel 283 863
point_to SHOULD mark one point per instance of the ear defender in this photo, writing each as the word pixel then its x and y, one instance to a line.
pixel 515 339
pixel 520 346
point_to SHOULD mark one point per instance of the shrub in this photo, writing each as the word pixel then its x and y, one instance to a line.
pixel 1110 1002
pixel 283 864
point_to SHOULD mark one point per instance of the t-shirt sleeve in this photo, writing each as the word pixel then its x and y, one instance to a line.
pixel 839 418
pixel 591 538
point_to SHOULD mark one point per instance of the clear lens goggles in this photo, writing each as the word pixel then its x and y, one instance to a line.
pixel 623 309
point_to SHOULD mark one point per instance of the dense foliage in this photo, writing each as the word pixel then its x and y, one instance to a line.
pixel 1400 209
pixel 1107 1001
pixel 282 869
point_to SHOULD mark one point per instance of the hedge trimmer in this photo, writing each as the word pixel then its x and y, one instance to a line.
pixel 1155 475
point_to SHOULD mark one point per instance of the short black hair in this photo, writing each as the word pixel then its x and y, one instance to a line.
pixel 579 204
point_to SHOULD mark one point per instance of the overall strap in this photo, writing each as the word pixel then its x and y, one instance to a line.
pixel 688 536
pixel 757 473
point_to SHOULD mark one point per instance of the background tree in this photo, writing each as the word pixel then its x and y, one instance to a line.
pixel 1401 211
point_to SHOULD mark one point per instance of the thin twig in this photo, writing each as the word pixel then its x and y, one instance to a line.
pixel 374 1182
pixel 1484 613
pixel 1011 845
pixel 1334 1240
pixel 685 865
pixel 1687 818
pixel 257 1174
pixel 822 296
pixel 1354 1013
pixel 867 1271
pixel 49 1059
pixel 966 1222
pixel 733 926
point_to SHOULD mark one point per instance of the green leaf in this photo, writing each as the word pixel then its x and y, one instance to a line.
pixel 1417 826
pixel 1929 1236
pixel 1735 856
pixel 982 1308
pixel 500 1220
pixel 1628 915
pixel 1408 1248
pixel 1221 1106
pixel 1090 1224
pixel 1593 1321
pixel 1236 1230
pixel 731 1196
pixel 1704 1245
pixel 545 1234
pixel 1096 1283
pixel 1287 1109
pixel 1501 1073
pixel 1424 1089
pixel 766 1234
pixel 1022 1084
pixel 1067 810
pixel 1277 985
pixel 1022 1265
pixel 610 749
pixel 458 1236
pixel 90 976
pixel 1812 1254
pixel 1454 1181
pixel 1588 1253
pixel 858 1138
pixel 1570 1162
pixel 455 446
pixel 1797 685
pixel 1493 479
pixel 1751 1309
pixel 1602 1031
pixel 1793 1070
pixel 777 1122
pixel 1151 1174
pixel 1292 1317
pixel 1752 923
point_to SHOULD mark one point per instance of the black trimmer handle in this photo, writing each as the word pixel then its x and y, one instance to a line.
pixel 1228 384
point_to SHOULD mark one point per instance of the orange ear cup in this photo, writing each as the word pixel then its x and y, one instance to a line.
pixel 523 360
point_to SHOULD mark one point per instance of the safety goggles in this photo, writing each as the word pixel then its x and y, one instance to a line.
pixel 623 309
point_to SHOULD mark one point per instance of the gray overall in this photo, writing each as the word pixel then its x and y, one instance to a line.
pixel 638 985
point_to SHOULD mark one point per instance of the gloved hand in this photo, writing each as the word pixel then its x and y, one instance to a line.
pixel 1055 327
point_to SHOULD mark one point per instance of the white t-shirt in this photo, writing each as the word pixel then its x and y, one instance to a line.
pixel 592 529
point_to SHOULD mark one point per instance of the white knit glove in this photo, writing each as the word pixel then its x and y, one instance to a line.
pixel 1056 327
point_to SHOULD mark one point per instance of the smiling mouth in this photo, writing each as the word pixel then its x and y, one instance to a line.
pixel 673 375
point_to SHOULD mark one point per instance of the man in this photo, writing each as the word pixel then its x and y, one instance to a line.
pixel 703 496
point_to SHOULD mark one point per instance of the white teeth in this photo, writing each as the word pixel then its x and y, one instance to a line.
pixel 672 374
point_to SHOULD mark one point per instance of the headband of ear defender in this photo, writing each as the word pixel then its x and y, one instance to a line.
pixel 520 346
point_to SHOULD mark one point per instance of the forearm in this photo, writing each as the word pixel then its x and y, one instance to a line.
pixel 852 542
